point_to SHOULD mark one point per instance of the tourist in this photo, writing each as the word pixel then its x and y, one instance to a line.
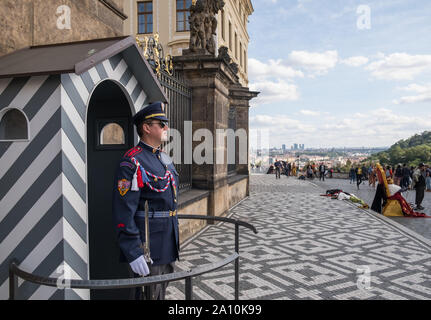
pixel 405 180
pixel 372 177
pixel 277 165
pixel 428 179
pixel 419 184
pixel 309 172
pixel 388 172
pixel 322 172
pixel 398 175
pixel 352 175
pixel 364 172
pixel 358 172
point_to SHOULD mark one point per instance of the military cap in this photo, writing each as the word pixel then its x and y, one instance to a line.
pixel 153 111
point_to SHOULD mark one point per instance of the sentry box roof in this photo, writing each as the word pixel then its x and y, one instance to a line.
pixel 78 57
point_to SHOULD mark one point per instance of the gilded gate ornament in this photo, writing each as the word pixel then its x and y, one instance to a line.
pixel 153 52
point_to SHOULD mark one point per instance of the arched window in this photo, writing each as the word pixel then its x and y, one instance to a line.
pixel 111 134
pixel 13 125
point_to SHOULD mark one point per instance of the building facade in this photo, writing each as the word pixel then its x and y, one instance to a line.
pixel 169 19
pixel 26 23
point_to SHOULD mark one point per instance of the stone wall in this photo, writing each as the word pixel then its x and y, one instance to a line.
pixel 238 191
pixel 34 22
pixel 190 227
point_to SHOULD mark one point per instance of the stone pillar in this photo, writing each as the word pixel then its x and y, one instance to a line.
pixel 215 88
pixel 210 79
pixel 240 98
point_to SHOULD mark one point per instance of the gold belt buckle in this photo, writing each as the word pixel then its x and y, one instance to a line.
pixel 172 213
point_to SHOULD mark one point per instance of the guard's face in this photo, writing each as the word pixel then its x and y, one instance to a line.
pixel 158 130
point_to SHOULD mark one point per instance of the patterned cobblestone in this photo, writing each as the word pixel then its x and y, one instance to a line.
pixel 308 247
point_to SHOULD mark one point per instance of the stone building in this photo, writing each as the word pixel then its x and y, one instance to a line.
pixel 169 18
pixel 26 23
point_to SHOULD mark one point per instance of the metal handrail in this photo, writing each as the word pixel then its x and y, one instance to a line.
pixel 15 272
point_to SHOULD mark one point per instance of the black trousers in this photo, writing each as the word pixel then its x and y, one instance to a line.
pixel 404 182
pixel 358 179
pixel 322 176
pixel 277 173
pixel 378 198
pixel 155 291
pixel 420 193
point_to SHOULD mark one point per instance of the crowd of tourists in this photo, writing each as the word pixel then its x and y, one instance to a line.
pixel 406 177
pixel 281 167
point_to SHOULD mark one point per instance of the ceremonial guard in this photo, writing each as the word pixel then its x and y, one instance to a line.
pixel 145 203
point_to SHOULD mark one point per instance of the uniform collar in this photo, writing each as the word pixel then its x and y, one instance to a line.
pixel 148 147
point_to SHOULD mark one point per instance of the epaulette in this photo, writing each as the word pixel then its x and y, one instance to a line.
pixel 133 152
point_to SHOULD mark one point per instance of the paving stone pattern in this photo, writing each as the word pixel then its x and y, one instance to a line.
pixel 308 247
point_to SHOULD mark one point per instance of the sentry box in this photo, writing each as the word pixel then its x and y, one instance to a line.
pixel 65 121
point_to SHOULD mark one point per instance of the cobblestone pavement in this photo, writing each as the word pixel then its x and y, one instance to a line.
pixel 366 193
pixel 308 247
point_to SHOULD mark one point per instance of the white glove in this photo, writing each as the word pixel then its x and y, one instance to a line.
pixel 140 266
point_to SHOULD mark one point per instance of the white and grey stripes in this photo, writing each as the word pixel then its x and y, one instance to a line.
pixel 43 191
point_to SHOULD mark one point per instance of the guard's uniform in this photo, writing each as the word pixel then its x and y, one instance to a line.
pixel 147 173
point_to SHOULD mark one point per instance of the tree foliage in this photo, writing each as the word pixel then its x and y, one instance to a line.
pixel 411 151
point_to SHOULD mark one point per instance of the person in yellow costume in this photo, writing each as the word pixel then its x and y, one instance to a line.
pixel 394 203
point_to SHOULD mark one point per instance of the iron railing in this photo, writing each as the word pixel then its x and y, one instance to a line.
pixel 178 111
pixel 15 272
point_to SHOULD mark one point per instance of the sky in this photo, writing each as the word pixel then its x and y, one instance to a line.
pixel 339 73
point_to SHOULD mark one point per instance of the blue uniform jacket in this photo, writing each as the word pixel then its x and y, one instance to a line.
pixel 128 207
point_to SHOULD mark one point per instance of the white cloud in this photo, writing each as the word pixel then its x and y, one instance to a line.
pixel 355 61
pixel 314 62
pixel 279 122
pixel 423 94
pixel 274 68
pixel 380 127
pixel 273 78
pixel 310 113
pixel 273 91
pixel 400 66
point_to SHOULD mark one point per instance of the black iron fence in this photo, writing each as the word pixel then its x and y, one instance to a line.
pixel 179 110
pixel 15 272
pixel 179 95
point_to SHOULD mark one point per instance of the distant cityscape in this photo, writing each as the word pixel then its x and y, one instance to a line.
pixel 263 158
pixel 294 147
